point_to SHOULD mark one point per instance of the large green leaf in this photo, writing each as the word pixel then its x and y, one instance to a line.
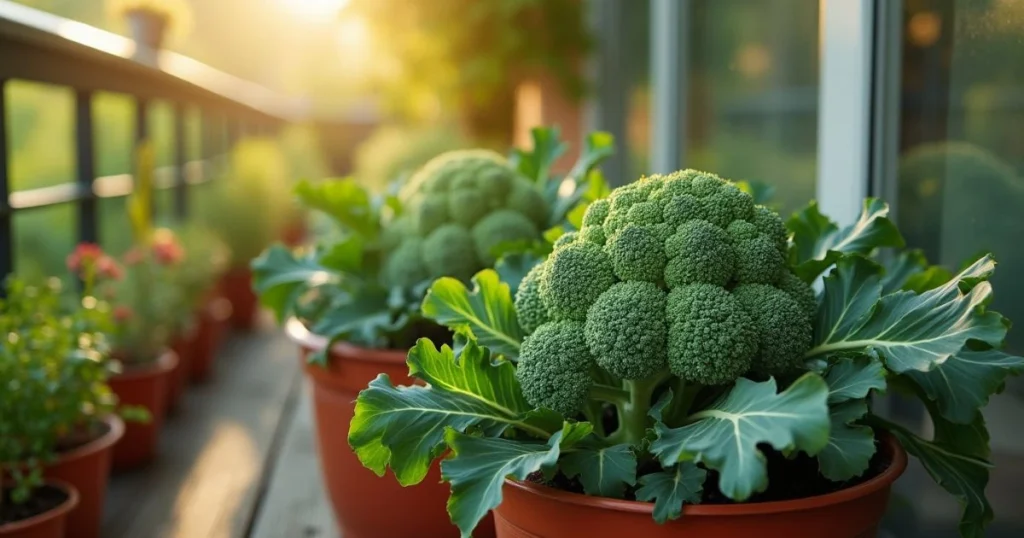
pixel 403 427
pixel 603 471
pixel 909 270
pixel 910 331
pixel 479 465
pixel 280 277
pixel 853 378
pixel 725 435
pixel 962 385
pixel 850 446
pixel 670 489
pixel 345 201
pixel 362 316
pixel 818 242
pixel 487 313
pixel 536 163
pixel 956 460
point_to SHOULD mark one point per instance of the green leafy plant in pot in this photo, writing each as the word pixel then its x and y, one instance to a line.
pixel 669 369
pixel 352 300
pixel 56 417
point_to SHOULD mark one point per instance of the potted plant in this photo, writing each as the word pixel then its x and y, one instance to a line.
pixel 57 426
pixel 150 20
pixel 669 370
pixel 249 209
pixel 199 274
pixel 352 301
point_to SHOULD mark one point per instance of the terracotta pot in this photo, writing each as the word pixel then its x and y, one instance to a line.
pixel 211 323
pixel 237 288
pixel 294 234
pixel 534 511
pixel 49 524
pixel 144 386
pixel 87 468
pixel 183 346
pixel 363 502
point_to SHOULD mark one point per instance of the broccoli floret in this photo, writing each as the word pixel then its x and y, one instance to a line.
pixel 460 205
pixel 783 327
pixel 405 267
pixel 554 367
pixel 699 252
pixel 626 330
pixel 711 338
pixel 500 227
pixel 529 306
pixel 565 239
pixel 673 275
pixel 576 275
pixel 637 253
pixel 448 251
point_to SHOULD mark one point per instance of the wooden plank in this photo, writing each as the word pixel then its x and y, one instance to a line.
pixel 296 504
pixel 214 451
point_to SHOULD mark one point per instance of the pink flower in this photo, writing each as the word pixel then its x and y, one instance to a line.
pixel 84 255
pixel 134 256
pixel 107 268
pixel 166 248
pixel 123 313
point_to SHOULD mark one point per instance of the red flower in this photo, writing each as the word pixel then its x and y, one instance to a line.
pixel 84 255
pixel 123 313
pixel 134 256
pixel 107 268
pixel 166 248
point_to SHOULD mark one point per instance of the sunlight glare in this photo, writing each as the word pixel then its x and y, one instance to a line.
pixel 315 9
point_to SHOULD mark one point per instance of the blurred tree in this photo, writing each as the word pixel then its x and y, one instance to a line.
pixel 469 56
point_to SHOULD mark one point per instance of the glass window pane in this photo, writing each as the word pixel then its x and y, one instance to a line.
pixel 753 93
pixel 959 192
pixel 43 237
pixel 637 26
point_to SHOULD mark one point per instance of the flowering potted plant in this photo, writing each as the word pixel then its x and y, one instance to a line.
pixel 56 421
pixel 208 310
pixel 352 301
pixel 669 370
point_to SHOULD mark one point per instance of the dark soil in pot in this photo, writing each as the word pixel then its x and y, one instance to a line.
pixel 42 500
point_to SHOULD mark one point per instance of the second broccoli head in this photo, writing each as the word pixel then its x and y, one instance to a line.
pixel 680 272
pixel 460 206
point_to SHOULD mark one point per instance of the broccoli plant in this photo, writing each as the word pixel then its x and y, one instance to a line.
pixel 456 215
pixel 673 350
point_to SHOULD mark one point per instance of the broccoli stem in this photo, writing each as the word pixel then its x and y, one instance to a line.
pixel 683 395
pixel 633 413
pixel 606 393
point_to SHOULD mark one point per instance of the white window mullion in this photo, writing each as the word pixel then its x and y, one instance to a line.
pixel 669 58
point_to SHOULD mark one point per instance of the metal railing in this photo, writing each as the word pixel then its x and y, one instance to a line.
pixel 40 47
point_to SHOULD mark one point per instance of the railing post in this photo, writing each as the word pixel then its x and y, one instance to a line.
pixel 180 174
pixel 85 149
pixel 6 214
pixel 210 144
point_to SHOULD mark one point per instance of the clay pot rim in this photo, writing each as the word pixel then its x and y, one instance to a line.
pixel 166 362
pixel 872 485
pixel 115 431
pixel 61 510
pixel 311 341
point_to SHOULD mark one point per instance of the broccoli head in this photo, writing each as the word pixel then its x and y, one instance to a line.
pixel 680 273
pixel 459 207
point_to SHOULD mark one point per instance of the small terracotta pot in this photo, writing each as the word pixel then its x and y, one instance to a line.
pixel 362 501
pixel 211 324
pixel 183 346
pixel 294 234
pixel 50 524
pixel 236 285
pixel 144 386
pixel 534 511
pixel 87 468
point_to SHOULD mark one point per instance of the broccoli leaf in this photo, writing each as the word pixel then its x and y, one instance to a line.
pixel 583 181
pixel 404 426
pixel 670 489
pixel 818 242
pixel 487 313
pixel 854 378
pixel 479 466
pixel 961 385
pixel 280 277
pixel 761 192
pixel 512 268
pixel 957 460
pixel 343 200
pixel 362 316
pixel 909 270
pixel 536 164
pixel 603 471
pixel 850 446
pixel 724 436
pixel 910 331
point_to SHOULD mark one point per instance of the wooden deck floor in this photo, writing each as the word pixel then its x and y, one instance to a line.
pixel 239 443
